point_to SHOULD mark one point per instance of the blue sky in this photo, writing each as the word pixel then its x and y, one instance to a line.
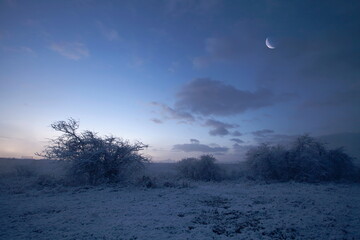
pixel 166 72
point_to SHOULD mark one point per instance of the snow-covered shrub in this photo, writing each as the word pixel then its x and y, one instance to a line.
pixel 45 180
pixel 268 162
pixel 204 168
pixel 187 168
pixel 306 160
pixel 147 182
pixel 94 159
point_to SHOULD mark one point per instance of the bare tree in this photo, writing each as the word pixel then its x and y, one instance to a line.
pixel 94 159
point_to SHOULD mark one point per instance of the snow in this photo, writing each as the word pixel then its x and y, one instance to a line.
pixel 225 210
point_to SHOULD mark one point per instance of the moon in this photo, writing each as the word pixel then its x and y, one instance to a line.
pixel 269 44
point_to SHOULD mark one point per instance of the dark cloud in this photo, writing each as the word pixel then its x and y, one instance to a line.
pixel 219 128
pixel 198 147
pixel 237 140
pixel 262 133
pixel 194 141
pixel 170 113
pixel 219 132
pixel 236 134
pixel 209 97
pixel 156 120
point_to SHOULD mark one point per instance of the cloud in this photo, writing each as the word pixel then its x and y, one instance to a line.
pixel 194 141
pixel 156 120
pixel 219 132
pixel 21 49
pixel 219 128
pixel 262 133
pixel 109 33
pixel 236 134
pixel 71 50
pixel 170 113
pixel 198 147
pixel 237 140
pixel 209 97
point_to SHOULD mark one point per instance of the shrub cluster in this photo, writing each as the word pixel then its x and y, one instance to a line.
pixel 306 160
pixel 203 168
pixel 94 159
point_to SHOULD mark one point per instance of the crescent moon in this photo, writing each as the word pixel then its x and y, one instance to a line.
pixel 268 44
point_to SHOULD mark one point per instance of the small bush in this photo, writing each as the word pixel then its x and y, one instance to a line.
pixel 46 181
pixel 306 160
pixel 204 169
pixel 94 159
pixel 147 182
pixel 187 168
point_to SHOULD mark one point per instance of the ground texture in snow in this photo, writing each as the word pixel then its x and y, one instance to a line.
pixel 227 210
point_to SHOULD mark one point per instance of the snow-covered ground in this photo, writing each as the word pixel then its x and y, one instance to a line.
pixel 226 210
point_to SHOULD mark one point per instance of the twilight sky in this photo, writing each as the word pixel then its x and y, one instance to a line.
pixel 186 77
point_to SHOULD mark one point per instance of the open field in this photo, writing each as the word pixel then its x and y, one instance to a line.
pixel 183 210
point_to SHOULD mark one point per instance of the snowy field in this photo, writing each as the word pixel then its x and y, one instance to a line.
pixel 226 210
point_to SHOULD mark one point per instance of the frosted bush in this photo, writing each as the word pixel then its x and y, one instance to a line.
pixel 187 168
pixel 268 162
pixel 94 159
pixel 306 160
pixel 204 168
